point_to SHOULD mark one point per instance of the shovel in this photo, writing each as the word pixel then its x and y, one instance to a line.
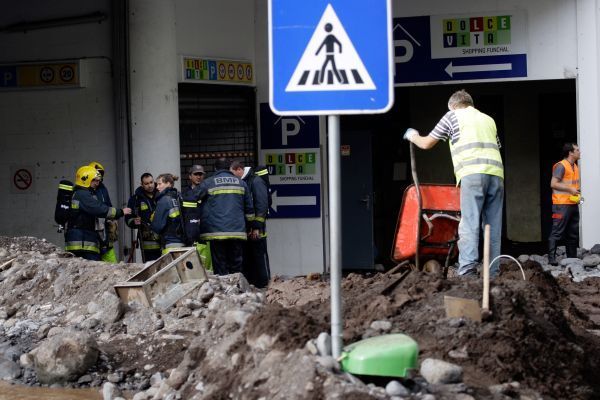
pixel 457 307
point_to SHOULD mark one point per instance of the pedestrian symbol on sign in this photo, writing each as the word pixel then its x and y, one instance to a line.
pixel 327 70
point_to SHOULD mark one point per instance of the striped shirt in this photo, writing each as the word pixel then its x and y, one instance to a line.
pixel 448 128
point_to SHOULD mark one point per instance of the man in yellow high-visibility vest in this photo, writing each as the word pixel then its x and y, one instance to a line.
pixel 474 147
pixel 566 197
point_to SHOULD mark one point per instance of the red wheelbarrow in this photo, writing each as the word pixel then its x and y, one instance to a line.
pixel 427 226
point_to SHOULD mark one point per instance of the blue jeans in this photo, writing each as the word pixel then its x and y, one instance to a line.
pixel 481 198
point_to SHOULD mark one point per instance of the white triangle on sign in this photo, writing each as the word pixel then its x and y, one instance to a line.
pixel 330 61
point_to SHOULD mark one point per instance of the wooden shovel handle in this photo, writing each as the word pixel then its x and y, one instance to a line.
pixel 485 303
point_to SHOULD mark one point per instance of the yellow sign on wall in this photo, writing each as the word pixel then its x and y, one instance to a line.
pixel 212 70
pixel 51 74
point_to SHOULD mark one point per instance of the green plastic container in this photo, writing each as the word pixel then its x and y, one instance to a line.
pixel 386 355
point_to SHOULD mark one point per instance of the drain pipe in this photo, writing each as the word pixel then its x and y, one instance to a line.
pixel 120 71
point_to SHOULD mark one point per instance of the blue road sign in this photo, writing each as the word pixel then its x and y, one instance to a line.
pixel 330 57
pixel 296 201
pixel 295 132
pixel 436 49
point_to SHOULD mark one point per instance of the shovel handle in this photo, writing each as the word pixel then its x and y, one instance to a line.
pixel 485 302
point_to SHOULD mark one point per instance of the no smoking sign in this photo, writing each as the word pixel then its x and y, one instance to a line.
pixel 21 179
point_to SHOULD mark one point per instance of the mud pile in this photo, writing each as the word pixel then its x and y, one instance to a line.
pixel 227 340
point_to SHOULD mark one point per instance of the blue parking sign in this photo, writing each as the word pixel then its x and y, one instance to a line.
pixel 330 57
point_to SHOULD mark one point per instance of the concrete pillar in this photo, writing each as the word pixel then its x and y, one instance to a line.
pixel 153 70
pixel 588 104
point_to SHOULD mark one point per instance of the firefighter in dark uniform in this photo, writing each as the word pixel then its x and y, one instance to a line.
pixel 107 232
pixel 256 259
pixel 143 204
pixel 226 205
pixel 191 208
pixel 166 220
pixel 81 237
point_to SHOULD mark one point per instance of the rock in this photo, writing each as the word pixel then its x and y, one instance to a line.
pixel 522 258
pixel 329 363
pixel 140 396
pixel 57 330
pixel 382 326
pixel 140 320
pixel 90 323
pixel 84 379
pixel 324 344
pixel 311 346
pixel 183 312
pixel 110 391
pixel 43 331
pixel 395 388
pixel 569 261
pixel 115 377
pixel 237 317
pixel 64 357
pixel 215 303
pixel 156 379
pixel 206 292
pixel 438 371
pixel 240 281
pixel 110 308
pixel 460 354
pixel 26 360
pixel 591 260
pixel 9 370
pixel 595 249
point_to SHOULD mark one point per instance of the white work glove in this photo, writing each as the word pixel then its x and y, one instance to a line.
pixel 410 133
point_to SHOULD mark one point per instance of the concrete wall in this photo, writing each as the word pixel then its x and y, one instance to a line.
pixel 216 29
pixel 53 131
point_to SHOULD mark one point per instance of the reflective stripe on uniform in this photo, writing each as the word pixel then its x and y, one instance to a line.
pixel 190 204
pixel 215 191
pixel 82 246
pixel 481 145
pixel 262 172
pixel 75 204
pixel 174 212
pixel 223 235
pixel 249 217
pixel 146 245
pixel 65 187
pixel 476 161
pixel 112 212
pixel 227 190
pixel 144 206
pixel 260 219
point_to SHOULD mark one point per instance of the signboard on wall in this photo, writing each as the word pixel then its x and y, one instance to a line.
pixel 210 70
pixel 290 150
pixel 460 47
pixel 40 75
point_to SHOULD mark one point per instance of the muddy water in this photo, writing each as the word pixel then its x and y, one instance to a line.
pixel 16 392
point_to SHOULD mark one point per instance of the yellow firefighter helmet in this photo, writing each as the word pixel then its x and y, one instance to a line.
pixel 85 175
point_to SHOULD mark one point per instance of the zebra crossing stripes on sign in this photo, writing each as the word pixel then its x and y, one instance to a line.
pixel 330 61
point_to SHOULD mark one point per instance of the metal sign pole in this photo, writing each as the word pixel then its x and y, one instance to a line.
pixel 335 231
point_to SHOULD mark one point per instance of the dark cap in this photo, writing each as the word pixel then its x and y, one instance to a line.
pixel 196 168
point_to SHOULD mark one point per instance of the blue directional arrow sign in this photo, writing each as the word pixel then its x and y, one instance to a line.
pixel 330 57
pixel 460 47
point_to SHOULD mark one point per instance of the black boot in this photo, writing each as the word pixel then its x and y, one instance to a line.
pixel 571 250
pixel 552 252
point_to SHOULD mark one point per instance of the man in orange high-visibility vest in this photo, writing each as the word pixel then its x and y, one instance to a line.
pixel 566 197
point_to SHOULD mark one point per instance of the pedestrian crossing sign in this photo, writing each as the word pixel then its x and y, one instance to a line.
pixel 330 57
